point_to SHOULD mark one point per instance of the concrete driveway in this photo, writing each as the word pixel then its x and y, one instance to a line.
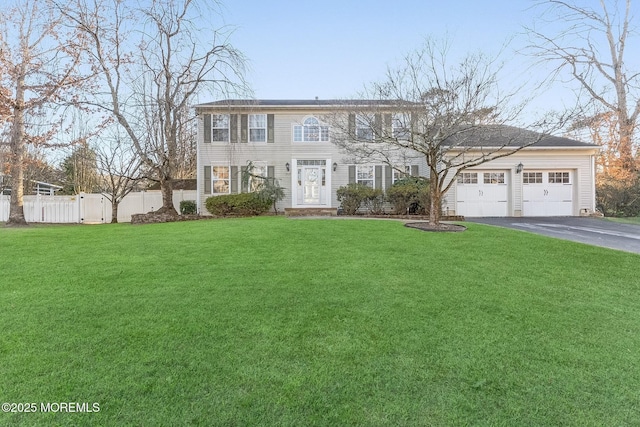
pixel 593 231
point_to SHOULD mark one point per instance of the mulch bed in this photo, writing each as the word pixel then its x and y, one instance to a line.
pixel 425 226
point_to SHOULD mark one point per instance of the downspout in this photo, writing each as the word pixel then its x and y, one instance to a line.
pixel 198 171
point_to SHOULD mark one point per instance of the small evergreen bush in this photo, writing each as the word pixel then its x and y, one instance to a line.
pixel 244 204
pixel 410 195
pixel 188 207
pixel 352 196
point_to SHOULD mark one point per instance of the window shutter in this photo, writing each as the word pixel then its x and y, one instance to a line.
pixel 377 131
pixel 207 180
pixel 234 179
pixel 352 125
pixel 352 174
pixel 244 184
pixel 271 171
pixel 414 170
pixel 388 177
pixel 377 177
pixel 387 124
pixel 233 127
pixel 244 128
pixel 207 128
pixel 270 135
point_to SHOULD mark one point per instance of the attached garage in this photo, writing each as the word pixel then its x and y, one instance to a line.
pixel 483 193
pixel 547 193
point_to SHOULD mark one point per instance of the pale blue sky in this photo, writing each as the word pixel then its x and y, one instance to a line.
pixel 331 48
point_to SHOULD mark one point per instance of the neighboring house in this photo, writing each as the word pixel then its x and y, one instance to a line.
pixel 38 187
pixel 291 141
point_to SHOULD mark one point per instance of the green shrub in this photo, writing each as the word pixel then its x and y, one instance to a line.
pixel 244 204
pixel 188 207
pixel 351 197
pixel 410 195
pixel 374 201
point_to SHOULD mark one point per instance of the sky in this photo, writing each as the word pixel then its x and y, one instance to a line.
pixel 332 48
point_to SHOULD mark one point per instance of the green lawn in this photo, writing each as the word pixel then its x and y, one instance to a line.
pixel 278 322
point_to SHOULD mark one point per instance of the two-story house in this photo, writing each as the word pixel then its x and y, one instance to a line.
pixel 293 142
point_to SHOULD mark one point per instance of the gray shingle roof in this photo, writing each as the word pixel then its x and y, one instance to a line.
pixel 509 136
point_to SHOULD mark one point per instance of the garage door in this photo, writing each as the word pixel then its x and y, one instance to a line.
pixel 547 193
pixel 482 194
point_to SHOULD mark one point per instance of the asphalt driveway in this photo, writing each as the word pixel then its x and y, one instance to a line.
pixel 593 231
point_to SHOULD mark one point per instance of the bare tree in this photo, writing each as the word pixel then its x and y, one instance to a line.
pixel 152 73
pixel 120 169
pixel 39 69
pixel 591 47
pixel 453 117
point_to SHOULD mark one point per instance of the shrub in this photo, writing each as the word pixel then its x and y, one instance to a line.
pixel 410 195
pixel 374 201
pixel 352 196
pixel 244 204
pixel 188 207
pixel 616 197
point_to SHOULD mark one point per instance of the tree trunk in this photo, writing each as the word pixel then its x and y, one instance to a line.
pixel 627 162
pixel 16 210
pixel 436 203
pixel 114 211
pixel 166 187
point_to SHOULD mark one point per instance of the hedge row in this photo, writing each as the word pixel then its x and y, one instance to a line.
pixel 243 204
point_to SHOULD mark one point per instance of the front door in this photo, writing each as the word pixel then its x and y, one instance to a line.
pixel 311 185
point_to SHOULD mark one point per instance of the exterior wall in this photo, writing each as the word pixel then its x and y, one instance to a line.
pixel 277 154
pixel 578 162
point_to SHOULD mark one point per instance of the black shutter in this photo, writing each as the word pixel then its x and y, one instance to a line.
pixel 244 128
pixel 270 135
pixel 388 177
pixel 414 170
pixel 352 125
pixel 377 120
pixel 271 171
pixel 233 127
pixel 207 180
pixel 352 174
pixel 377 177
pixel 207 128
pixel 244 177
pixel 234 179
pixel 388 127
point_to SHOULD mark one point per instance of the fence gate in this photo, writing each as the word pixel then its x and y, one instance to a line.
pixel 92 208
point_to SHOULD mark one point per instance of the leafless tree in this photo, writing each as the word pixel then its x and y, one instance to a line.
pixel 39 71
pixel 153 61
pixel 591 47
pixel 453 117
pixel 119 167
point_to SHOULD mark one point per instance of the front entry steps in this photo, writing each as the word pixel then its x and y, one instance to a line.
pixel 311 211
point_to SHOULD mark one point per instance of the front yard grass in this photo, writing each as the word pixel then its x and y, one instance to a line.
pixel 270 321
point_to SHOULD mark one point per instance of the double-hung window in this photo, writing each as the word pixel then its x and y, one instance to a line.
pixel 257 127
pixel 400 125
pixel 257 175
pixel 220 127
pixel 220 179
pixel 365 175
pixel 398 174
pixel 364 127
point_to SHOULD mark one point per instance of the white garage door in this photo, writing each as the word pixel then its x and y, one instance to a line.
pixel 482 194
pixel 547 193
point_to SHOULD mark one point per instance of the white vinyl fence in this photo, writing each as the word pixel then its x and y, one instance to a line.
pixel 90 208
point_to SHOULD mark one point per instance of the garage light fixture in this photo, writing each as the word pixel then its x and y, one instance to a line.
pixel 287 166
pixel 519 167
pixel 335 166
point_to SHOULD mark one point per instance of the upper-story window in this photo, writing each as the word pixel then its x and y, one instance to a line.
pixel 257 127
pixel 311 130
pixel 220 127
pixel 364 126
pixel 400 125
